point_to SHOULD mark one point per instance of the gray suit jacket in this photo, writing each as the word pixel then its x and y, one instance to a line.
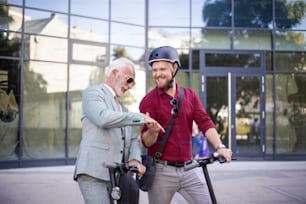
pixel 104 131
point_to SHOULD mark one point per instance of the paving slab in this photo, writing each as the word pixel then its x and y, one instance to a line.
pixel 249 182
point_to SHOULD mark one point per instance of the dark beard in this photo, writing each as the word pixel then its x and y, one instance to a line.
pixel 169 86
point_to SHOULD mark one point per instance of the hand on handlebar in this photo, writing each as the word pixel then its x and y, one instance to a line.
pixel 141 168
pixel 226 154
pixel 206 160
pixel 121 167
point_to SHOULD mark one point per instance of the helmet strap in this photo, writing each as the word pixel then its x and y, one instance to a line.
pixel 170 85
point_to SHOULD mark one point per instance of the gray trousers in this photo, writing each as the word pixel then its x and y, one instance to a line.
pixel 94 191
pixel 168 180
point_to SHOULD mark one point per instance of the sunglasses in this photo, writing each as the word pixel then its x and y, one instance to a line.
pixel 173 102
pixel 130 80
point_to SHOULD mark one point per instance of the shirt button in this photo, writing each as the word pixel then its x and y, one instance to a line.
pixel 121 152
pixel 123 138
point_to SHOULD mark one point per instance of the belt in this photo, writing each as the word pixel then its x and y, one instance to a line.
pixel 176 164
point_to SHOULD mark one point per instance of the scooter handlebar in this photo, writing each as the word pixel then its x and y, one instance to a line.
pixel 110 165
pixel 204 161
pixel 124 167
pixel 194 164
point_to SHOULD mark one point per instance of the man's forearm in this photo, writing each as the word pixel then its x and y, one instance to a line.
pixel 213 137
pixel 149 137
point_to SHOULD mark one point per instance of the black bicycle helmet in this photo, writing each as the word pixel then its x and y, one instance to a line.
pixel 164 53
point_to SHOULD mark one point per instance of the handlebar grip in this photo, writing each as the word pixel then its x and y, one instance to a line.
pixel 220 159
pixel 123 167
pixel 194 164
pixel 133 169
pixel 109 165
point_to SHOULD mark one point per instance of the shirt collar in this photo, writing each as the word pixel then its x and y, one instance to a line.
pixel 110 89
pixel 162 91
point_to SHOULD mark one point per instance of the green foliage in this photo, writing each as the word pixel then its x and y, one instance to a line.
pixel 250 13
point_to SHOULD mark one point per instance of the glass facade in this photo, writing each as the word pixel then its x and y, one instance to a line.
pixel 252 52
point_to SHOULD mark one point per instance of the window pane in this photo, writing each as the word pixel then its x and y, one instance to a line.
pixel 195 59
pixel 217 104
pixel 45 86
pixel 89 29
pixel 46 48
pixel 17 2
pixel 247 114
pixel 169 13
pixel 151 81
pixel 9 108
pixel 233 60
pixel 9 136
pixel 175 37
pixel 10 44
pixel 182 78
pixel 127 34
pixel 290 113
pixel 217 13
pixel 210 39
pixel 197 13
pixel 75 127
pixel 269 114
pixel 269 62
pixel 195 82
pixel 93 8
pixel 45 23
pixel 290 61
pixel 54 5
pixel 290 40
pixel 10 18
pixel 89 53
pixel 81 77
pixel 136 54
pixel 184 58
pixel 290 14
pixel 253 14
pixel 132 11
pixel 252 40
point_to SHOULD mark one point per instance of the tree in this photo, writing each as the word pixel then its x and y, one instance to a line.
pixel 257 14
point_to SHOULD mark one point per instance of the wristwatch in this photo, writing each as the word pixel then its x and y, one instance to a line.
pixel 220 146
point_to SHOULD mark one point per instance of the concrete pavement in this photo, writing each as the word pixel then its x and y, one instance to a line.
pixel 264 182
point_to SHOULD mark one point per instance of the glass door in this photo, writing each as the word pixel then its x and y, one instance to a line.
pixel 217 105
pixel 234 103
pixel 246 106
pixel 232 85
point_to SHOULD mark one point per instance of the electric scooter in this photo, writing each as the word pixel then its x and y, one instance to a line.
pixel 203 162
pixel 117 169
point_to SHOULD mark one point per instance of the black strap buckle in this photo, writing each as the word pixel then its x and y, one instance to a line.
pixel 157 156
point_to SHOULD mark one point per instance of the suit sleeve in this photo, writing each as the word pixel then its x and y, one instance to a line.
pixel 99 108
pixel 135 147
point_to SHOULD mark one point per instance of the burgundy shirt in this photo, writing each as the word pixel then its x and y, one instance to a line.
pixel 178 146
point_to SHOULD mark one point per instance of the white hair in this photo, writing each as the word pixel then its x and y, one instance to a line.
pixel 119 64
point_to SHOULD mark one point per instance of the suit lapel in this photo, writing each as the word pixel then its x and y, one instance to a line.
pixel 110 97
